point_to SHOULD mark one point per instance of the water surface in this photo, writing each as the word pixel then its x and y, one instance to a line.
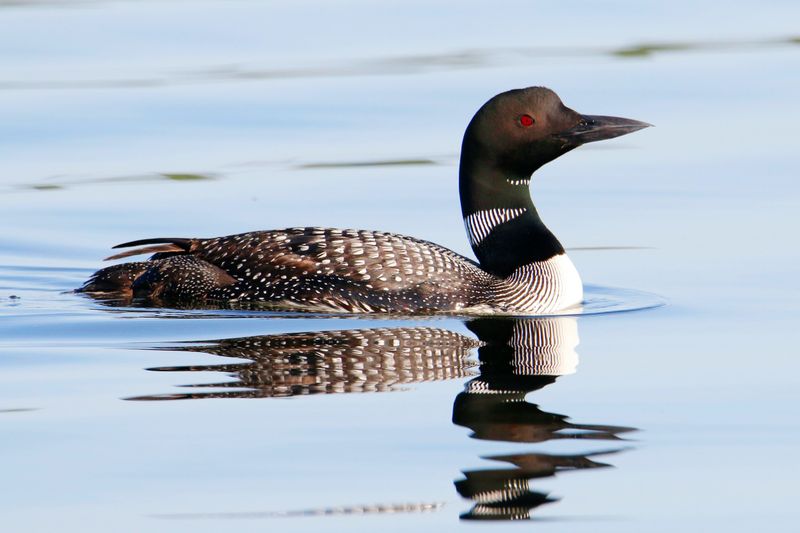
pixel 125 120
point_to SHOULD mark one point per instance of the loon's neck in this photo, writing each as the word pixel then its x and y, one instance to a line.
pixel 503 226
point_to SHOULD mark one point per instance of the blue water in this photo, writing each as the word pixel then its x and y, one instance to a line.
pixel 122 120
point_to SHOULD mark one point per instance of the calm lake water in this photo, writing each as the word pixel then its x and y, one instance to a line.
pixel 122 120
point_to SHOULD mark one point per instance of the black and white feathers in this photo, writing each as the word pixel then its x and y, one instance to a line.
pixel 522 267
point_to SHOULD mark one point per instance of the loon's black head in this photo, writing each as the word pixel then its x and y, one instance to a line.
pixel 518 131
pixel 511 136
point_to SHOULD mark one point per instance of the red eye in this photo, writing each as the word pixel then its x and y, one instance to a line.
pixel 526 121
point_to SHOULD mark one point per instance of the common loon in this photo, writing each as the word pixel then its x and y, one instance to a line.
pixel 522 268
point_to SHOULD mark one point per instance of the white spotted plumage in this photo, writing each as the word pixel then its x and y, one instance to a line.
pixel 325 269
pixel 357 271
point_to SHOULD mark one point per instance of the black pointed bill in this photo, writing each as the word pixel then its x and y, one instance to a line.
pixel 598 128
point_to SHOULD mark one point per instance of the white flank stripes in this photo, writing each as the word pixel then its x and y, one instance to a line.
pixel 481 223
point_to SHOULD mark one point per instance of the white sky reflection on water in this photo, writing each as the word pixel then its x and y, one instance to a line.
pixel 711 192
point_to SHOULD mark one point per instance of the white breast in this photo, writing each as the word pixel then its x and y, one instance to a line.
pixel 540 287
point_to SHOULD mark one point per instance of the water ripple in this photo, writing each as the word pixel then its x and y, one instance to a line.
pixel 398 65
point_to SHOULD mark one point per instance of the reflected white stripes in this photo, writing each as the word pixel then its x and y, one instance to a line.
pixel 541 347
pixel 481 223
pixel 545 347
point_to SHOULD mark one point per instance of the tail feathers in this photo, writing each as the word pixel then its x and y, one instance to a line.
pixel 186 244
pixel 168 245
pixel 146 250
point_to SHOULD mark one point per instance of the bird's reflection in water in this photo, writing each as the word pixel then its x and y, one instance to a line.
pixel 516 357
pixel 519 357
pixel 356 360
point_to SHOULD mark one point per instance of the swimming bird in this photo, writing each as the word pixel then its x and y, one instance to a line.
pixel 522 268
